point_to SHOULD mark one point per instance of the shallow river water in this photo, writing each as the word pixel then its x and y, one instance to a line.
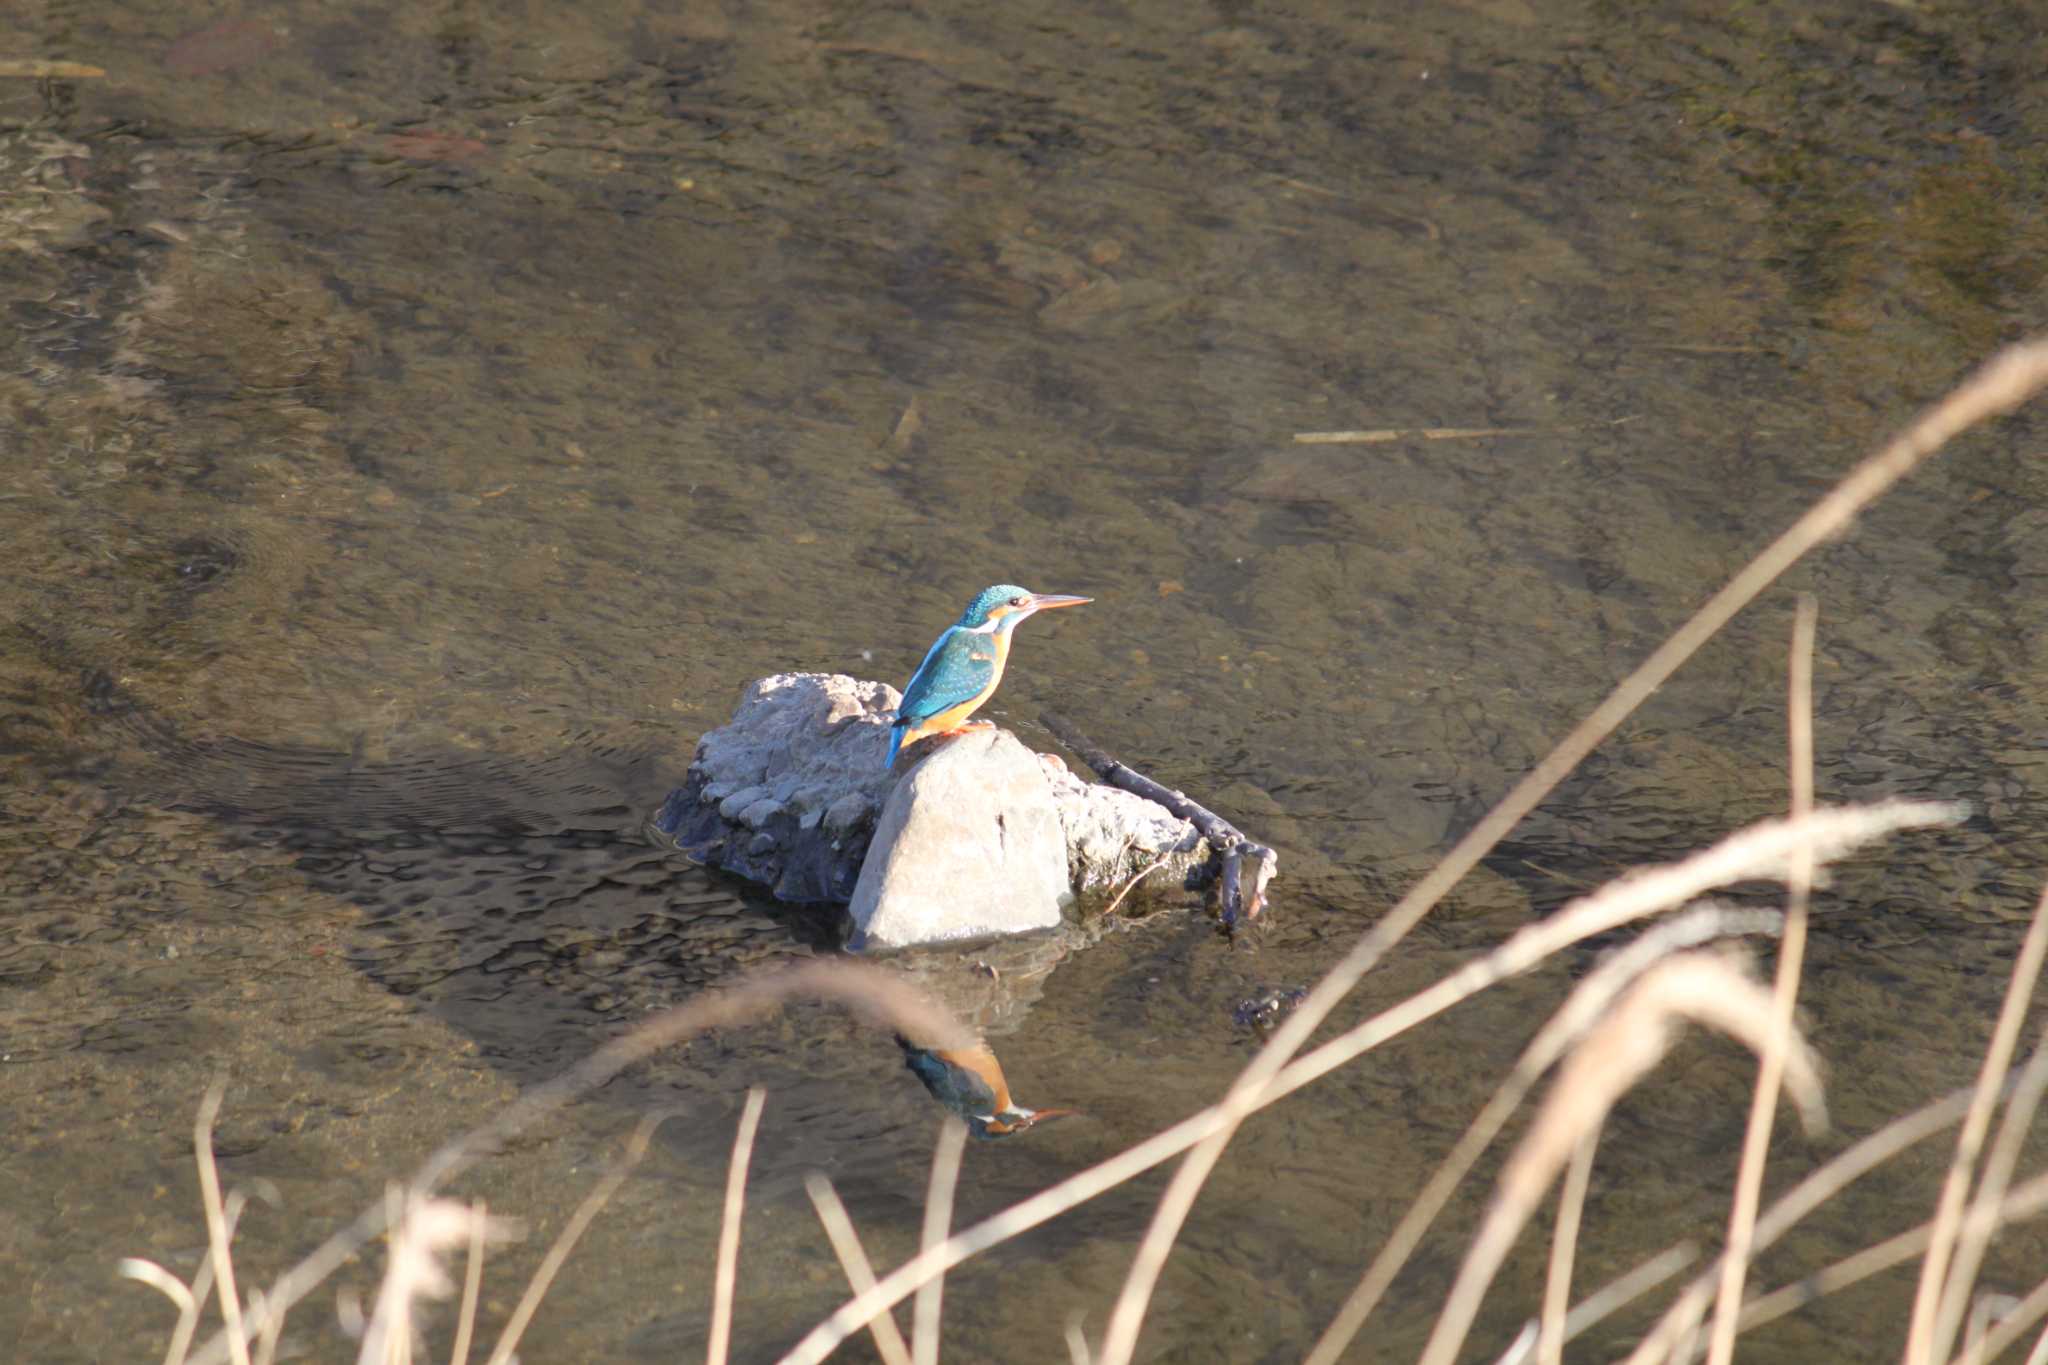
pixel 422 420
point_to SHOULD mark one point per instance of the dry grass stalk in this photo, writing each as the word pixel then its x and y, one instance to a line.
pixel 872 992
pixel 2009 1327
pixel 2025 1201
pixel 164 1283
pixel 1132 884
pixel 727 1274
pixel 572 1232
pixel 1557 1287
pixel 1702 986
pixel 938 1221
pixel 472 1283
pixel 1615 1294
pixel 854 1261
pixel 216 1222
pixel 1802 1199
pixel 420 1234
pixel 1077 1342
pixel 1982 1219
pixel 1762 851
pixel 2002 383
pixel 1987 1309
pixel 191 1300
pixel 1758 852
pixel 1924 1342
pixel 1756 1141
pixel 1588 1000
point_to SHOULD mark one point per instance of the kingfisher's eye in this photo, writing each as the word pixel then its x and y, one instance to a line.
pixel 1019 600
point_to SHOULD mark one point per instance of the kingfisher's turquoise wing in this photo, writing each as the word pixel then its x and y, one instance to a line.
pixel 959 668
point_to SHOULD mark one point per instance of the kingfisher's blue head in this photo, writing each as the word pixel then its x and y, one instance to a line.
pixel 1000 608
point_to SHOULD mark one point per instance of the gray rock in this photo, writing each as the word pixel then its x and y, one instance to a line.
pixel 1113 835
pixel 790 793
pixel 787 794
pixel 970 845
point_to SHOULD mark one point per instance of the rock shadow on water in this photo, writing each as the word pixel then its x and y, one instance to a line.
pixel 520 902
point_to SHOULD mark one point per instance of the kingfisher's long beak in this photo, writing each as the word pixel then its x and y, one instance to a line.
pixel 1041 600
pixel 1017 1120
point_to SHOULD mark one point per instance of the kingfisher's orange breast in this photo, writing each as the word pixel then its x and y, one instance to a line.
pixel 953 717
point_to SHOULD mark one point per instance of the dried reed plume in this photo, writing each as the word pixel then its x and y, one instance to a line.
pixel 1703 987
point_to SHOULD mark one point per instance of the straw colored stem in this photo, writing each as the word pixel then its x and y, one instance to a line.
pixel 938 1221
pixel 1557 1288
pixel 1982 1219
pixel 1592 996
pixel 854 1261
pixel 217 1223
pixel 1802 1199
pixel 1077 1343
pixel 1616 1294
pixel 191 1300
pixel 1756 1142
pixel 2002 383
pixel 1923 1342
pixel 572 1232
pixel 2025 1201
pixel 1132 884
pixel 472 1284
pixel 2009 1328
pixel 1701 986
pixel 727 1274
pixel 172 1288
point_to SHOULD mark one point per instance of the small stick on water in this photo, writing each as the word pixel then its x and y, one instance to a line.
pixel 42 69
pixel 1227 839
pixel 1981 1221
pixel 1372 436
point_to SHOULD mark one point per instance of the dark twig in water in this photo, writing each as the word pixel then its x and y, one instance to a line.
pixel 1240 892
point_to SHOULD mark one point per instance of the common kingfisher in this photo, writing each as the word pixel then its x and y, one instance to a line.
pixel 969 1081
pixel 965 663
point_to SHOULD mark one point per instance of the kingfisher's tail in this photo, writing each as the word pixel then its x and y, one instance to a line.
pixel 895 743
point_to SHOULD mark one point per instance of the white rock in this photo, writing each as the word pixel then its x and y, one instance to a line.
pixel 970 845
